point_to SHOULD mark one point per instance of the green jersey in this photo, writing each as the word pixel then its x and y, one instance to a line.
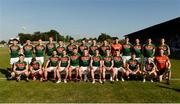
pixel 148 50
pixel 126 49
pixel 59 50
pixel 64 61
pixel 103 50
pixel 133 64
pixel 108 61
pixel 92 50
pixel 35 65
pixel 20 66
pixel 85 61
pixel 96 61
pixel 14 51
pixel 70 48
pixel 28 50
pixel 118 62
pixel 164 47
pixel 82 48
pixel 74 59
pixel 50 48
pixel 39 50
pixel 54 61
pixel 137 50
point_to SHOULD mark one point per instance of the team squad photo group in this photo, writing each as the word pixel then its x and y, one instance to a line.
pixel 92 63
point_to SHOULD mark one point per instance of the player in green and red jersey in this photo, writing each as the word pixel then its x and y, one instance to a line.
pixel 103 48
pixel 64 64
pixel 137 49
pixel 93 48
pixel 126 50
pixel 164 47
pixel 148 50
pixel 119 66
pixel 74 63
pixel 133 66
pixel 70 47
pixel 96 66
pixel 51 65
pixel 116 46
pixel 82 47
pixel 163 66
pixel 20 68
pixel 36 69
pixel 39 51
pixel 60 48
pixel 108 64
pixel 50 47
pixel 28 51
pixel 149 70
pixel 14 52
pixel 84 62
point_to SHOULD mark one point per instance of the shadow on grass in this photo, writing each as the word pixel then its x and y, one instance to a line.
pixel 5 72
pixel 166 87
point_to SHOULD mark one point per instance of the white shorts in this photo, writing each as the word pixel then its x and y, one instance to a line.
pixel 95 68
pixel 74 67
pixel 120 69
pixel 28 60
pixel 126 58
pixel 40 59
pixel 84 69
pixel 62 69
pixel 14 60
pixel 51 68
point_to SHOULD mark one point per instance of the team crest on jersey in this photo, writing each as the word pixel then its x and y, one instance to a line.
pixel 93 48
pixel 104 47
pixel 54 58
pixel 137 47
pixel 39 47
pixel 117 58
pixel 64 59
pixel 85 58
pixel 50 45
pixel 20 64
pixel 149 47
pixel 14 47
pixel 82 47
pixel 163 48
pixel 71 47
pixel 60 49
pixel 126 46
pixel 133 62
pixel 107 59
pixel 28 47
pixel 96 58
pixel 74 57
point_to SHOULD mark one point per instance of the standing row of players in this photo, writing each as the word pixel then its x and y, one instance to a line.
pixel 126 58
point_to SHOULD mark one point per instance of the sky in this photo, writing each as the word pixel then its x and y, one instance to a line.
pixel 83 18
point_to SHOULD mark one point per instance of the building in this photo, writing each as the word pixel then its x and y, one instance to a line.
pixel 169 30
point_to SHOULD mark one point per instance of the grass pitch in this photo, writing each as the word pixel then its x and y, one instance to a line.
pixel 119 92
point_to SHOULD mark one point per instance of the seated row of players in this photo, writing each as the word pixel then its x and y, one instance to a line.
pixel 85 64
pixel 105 51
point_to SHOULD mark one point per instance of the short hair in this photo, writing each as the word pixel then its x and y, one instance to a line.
pixel 21 55
pixel 33 59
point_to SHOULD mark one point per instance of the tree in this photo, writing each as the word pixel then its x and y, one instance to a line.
pixel 2 42
pixel 103 37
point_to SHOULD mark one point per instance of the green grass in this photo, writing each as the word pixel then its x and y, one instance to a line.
pixel 125 92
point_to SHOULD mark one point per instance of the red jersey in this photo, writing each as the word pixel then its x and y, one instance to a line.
pixel 116 47
pixel 161 61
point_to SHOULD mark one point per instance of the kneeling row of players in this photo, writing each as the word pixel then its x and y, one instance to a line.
pixel 86 64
